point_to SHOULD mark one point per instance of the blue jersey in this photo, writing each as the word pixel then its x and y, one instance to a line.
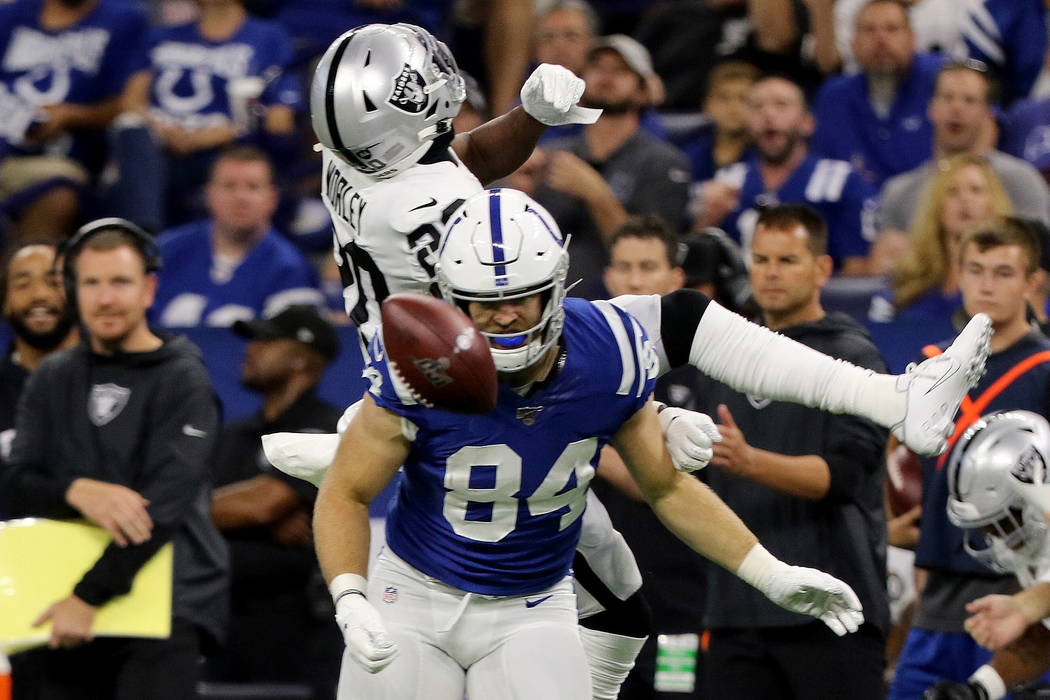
pixel 848 128
pixel 1010 36
pixel 832 187
pixel 940 542
pixel 201 83
pixel 86 63
pixel 1026 133
pixel 491 503
pixel 195 288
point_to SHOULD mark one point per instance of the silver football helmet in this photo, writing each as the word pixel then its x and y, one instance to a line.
pixel 998 483
pixel 382 93
pixel 502 245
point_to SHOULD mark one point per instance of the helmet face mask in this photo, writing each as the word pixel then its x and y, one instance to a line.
pixel 998 477
pixel 382 93
pixel 502 246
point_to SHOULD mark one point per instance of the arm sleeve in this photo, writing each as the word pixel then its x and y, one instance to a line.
pixel 29 487
pixel 175 471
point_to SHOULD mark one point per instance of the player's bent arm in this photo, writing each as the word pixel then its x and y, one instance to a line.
pixel 500 146
pixel 368 457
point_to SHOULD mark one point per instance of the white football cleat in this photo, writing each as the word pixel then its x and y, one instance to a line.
pixel 936 387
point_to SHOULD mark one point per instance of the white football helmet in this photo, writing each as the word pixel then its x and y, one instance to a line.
pixel 998 484
pixel 382 93
pixel 500 245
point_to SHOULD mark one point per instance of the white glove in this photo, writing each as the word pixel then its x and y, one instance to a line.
pixel 803 590
pixel 689 436
pixel 550 95
pixel 305 456
pixel 363 630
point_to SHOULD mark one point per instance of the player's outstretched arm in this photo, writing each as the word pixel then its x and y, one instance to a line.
pixel 500 146
pixel 698 517
pixel 370 453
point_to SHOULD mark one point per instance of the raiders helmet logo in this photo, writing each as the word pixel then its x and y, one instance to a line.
pixel 1030 467
pixel 105 402
pixel 408 94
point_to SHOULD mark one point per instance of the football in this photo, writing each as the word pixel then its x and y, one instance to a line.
pixel 904 482
pixel 435 350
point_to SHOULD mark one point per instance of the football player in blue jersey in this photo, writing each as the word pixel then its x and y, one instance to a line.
pixel 394 175
pixel 475 589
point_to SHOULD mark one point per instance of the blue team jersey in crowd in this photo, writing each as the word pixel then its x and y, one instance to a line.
pixel 196 289
pixel 491 503
pixel 848 128
pixel 1025 133
pixel 832 187
pixel 84 64
pixel 1010 36
pixel 195 75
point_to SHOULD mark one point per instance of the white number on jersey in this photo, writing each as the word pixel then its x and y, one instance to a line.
pixel 551 495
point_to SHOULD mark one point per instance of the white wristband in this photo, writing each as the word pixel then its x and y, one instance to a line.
pixel 347 583
pixel 758 566
pixel 989 679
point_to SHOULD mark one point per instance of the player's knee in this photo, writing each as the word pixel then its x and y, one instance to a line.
pixel 631 617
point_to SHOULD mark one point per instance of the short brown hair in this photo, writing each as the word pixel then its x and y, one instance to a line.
pixel 784 217
pixel 651 226
pixel 1005 230
pixel 242 153
pixel 899 3
pixel 731 70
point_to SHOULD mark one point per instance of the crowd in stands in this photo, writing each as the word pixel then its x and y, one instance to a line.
pixel 903 123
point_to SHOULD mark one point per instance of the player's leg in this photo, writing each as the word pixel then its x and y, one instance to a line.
pixel 528 647
pixel 422 669
pixel 614 617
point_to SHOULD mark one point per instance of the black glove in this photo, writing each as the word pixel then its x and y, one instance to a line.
pixel 950 690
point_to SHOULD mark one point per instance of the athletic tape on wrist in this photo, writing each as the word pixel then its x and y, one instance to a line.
pixel 345 584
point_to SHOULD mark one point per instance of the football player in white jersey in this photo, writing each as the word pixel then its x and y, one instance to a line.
pixel 382 101
pixel 474 592
pixel 999 493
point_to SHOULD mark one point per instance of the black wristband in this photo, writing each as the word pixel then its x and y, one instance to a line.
pixel 348 591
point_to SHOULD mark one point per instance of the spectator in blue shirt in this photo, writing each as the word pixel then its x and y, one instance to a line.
pixel 68 68
pixel 233 266
pixel 783 171
pixel 219 80
pixel 877 119
pixel 724 139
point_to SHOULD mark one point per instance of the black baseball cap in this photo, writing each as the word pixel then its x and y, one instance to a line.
pixel 300 322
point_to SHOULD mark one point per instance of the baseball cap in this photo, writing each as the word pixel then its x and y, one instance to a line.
pixel 302 323
pixel 630 50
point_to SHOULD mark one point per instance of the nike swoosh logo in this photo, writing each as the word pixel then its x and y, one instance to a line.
pixel 537 601
pixel 944 377
pixel 424 205
pixel 189 431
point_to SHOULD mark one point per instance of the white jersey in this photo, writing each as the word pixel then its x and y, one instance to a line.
pixel 386 231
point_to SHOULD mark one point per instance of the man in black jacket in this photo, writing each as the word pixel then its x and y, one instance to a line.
pixel 120 430
pixel 281 627
pixel 806 481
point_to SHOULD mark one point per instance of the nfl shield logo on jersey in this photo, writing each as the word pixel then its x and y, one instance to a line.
pixel 105 402
pixel 408 95
pixel 390 595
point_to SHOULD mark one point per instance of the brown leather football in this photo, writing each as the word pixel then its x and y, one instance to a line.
pixel 436 351
pixel 904 480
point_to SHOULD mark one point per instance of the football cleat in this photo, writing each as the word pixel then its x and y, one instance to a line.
pixel 936 387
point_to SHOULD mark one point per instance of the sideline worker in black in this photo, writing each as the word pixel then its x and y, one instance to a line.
pixel 120 430
pixel 281 617
pixel 808 483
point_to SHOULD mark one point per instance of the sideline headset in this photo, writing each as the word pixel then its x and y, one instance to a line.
pixel 69 250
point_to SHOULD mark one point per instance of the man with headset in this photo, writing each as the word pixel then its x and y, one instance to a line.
pixel 119 430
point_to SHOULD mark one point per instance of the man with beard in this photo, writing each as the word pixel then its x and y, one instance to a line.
pixel 277 634
pixel 33 304
pixel 613 168
pixel 783 171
